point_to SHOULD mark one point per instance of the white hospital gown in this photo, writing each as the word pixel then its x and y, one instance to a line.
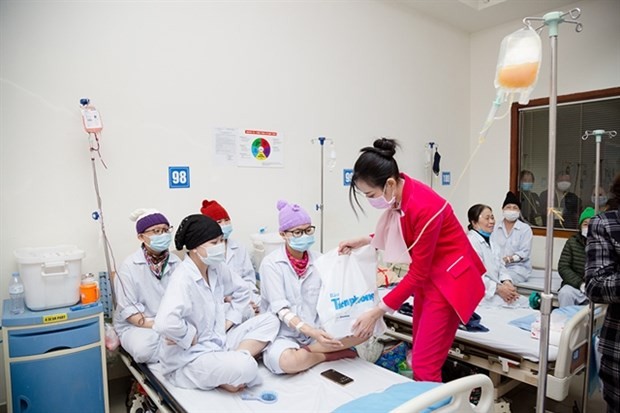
pixel 137 290
pixel 491 260
pixel 238 260
pixel 192 308
pixel 281 287
pixel 518 242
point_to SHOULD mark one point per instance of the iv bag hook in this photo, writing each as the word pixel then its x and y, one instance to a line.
pixel 554 18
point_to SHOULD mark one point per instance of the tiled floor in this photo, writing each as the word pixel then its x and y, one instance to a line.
pixel 522 399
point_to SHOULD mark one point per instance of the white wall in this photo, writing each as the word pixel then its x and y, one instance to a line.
pixel 588 60
pixel 164 74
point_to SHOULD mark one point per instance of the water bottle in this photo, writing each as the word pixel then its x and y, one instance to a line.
pixel 16 292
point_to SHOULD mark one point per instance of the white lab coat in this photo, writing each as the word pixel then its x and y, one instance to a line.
pixel 518 242
pixel 137 290
pixel 281 287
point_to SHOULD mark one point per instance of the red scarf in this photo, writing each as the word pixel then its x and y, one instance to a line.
pixel 299 265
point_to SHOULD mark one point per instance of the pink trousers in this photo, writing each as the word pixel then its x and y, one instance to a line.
pixel 434 327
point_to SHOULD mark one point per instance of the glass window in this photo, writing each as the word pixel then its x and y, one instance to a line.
pixel 575 157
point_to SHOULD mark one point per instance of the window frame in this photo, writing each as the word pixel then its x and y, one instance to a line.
pixel 515 143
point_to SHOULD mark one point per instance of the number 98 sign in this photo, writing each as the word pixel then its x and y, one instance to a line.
pixel 347 176
pixel 178 176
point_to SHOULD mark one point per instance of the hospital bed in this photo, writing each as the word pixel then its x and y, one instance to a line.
pixel 510 354
pixel 310 392
pixel 536 284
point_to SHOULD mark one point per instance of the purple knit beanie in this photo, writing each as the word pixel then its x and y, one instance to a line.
pixel 291 215
pixel 147 218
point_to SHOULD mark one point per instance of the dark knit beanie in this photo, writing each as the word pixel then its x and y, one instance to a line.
pixel 511 199
pixel 195 230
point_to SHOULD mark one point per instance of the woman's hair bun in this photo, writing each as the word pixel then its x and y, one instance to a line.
pixel 387 147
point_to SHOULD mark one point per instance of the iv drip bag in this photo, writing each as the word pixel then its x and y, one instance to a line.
pixel 519 63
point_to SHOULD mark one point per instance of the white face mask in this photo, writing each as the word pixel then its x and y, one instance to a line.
pixel 511 216
pixel 602 200
pixel 584 231
pixel 215 254
pixel 563 186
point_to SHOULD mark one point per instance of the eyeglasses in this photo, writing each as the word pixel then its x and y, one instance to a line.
pixel 299 232
pixel 159 231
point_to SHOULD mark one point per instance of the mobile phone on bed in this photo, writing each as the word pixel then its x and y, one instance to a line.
pixel 337 377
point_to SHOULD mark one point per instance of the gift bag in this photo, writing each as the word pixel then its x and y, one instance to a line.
pixel 348 289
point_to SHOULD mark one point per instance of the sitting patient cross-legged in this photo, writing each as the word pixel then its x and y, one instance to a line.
pixel 206 345
pixel 290 288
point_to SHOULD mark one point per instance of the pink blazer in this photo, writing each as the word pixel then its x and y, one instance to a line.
pixel 443 255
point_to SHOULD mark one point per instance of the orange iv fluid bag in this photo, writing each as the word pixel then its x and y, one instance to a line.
pixel 519 63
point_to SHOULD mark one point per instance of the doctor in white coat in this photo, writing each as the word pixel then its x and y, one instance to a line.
pixel 206 344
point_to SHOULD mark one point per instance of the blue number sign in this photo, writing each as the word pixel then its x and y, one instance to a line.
pixel 178 176
pixel 445 178
pixel 347 174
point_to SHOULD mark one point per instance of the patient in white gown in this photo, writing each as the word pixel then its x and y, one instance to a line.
pixel 499 289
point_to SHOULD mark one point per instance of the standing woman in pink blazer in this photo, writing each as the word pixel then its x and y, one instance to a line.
pixel 418 228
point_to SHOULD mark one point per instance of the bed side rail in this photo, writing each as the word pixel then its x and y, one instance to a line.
pixel 459 390
pixel 133 368
pixel 573 341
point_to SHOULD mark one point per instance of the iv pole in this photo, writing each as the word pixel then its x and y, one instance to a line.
pixel 321 207
pixel 552 20
pixel 598 134
pixel 98 215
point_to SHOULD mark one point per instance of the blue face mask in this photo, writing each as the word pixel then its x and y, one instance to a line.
pixel 527 186
pixel 160 243
pixel 302 243
pixel 226 230
pixel 484 233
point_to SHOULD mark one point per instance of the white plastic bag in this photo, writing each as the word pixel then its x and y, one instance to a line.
pixel 348 289
pixel 111 338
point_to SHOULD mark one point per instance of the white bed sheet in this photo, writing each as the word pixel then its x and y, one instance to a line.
pixel 303 392
pixel 536 281
pixel 502 335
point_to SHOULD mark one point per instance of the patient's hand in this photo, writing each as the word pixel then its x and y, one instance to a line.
pixel 508 292
pixel 255 307
pixel 325 339
pixel 169 342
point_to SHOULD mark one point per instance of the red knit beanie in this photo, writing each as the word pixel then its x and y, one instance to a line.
pixel 214 210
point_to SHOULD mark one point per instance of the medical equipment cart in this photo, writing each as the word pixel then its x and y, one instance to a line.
pixel 55 360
